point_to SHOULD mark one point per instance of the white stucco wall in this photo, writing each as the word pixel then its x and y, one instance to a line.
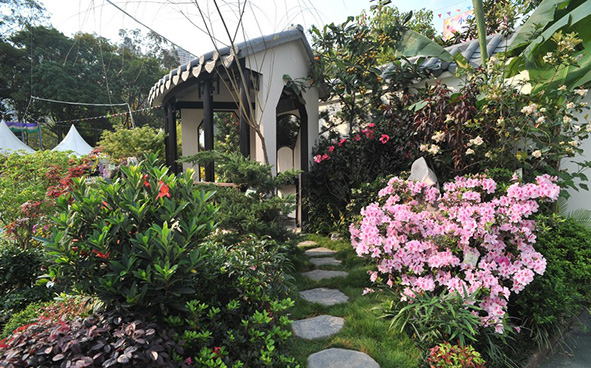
pixel 272 64
pixel 582 198
pixel 190 120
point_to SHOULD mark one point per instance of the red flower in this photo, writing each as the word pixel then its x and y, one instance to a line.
pixel 384 139
pixel 146 182
pixel 216 350
pixel 164 190
pixel 101 254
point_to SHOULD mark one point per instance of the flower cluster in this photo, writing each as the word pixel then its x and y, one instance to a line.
pixel 468 239
pixel 368 132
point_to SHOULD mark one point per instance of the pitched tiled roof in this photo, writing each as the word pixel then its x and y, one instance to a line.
pixel 227 56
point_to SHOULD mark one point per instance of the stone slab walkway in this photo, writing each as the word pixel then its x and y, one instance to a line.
pixel 341 358
pixel 306 243
pixel 320 252
pixel 324 296
pixel 319 327
pixel 325 261
pixel 324 274
pixel 325 326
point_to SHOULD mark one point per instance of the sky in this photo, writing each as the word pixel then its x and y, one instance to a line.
pixel 181 22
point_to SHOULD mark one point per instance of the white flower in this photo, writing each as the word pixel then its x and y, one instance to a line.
pixel 488 154
pixel 581 92
pixel 541 120
pixel 537 153
pixel 501 120
pixel 438 136
pixel 424 147
pixel 528 110
pixel 576 128
pixel 543 110
pixel 448 117
pixel 476 141
pixel 562 88
pixel 583 104
pixel 470 151
pixel 574 143
pixel 566 119
pixel 588 128
pixel 547 58
pixel 434 149
pixel 570 105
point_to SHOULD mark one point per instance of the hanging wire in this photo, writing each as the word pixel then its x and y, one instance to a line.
pixel 88 104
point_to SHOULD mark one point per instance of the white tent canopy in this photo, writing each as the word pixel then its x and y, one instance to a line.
pixel 74 142
pixel 9 143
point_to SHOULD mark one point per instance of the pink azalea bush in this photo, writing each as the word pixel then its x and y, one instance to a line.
pixel 469 239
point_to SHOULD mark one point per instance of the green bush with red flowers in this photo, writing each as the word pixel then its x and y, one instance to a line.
pixel 135 242
pixel 142 244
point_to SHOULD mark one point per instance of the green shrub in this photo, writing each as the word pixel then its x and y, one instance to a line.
pixel 134 242
pixel 22 318
pixel 345 169
pixel 565 288
pixel 19 269
pixel 253 208
pixel 434 318
pixel 132 142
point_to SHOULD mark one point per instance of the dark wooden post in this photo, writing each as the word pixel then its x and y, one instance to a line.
pixel 171 139
pixel 303 161
pixel 245 113
pixel 208 126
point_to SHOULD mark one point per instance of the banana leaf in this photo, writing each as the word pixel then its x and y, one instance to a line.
pixel 415 44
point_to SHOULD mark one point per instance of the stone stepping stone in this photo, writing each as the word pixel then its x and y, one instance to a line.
pixel 326 261
pixel 324 296
pixel 324 274
pixel 319 252
pixel 341 358
pixel 319 327
pixel 306 243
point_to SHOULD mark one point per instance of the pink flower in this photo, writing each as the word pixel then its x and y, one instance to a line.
pixel 371 125
pixel 342 141
pixel 330 149
pixel 318 159
pixel 493 236
pixel 384 139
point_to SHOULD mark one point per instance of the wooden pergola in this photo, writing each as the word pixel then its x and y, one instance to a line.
pixel 247 79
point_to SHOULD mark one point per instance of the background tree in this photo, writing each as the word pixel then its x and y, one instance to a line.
pixel 41 61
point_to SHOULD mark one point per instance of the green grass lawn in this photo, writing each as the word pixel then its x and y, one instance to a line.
pixel 364 329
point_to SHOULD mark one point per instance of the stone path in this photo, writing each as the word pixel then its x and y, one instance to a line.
pixel 325 326
pixel 578 349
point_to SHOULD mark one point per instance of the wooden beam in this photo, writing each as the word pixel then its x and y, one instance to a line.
pixel 208 126
pixel 198 105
